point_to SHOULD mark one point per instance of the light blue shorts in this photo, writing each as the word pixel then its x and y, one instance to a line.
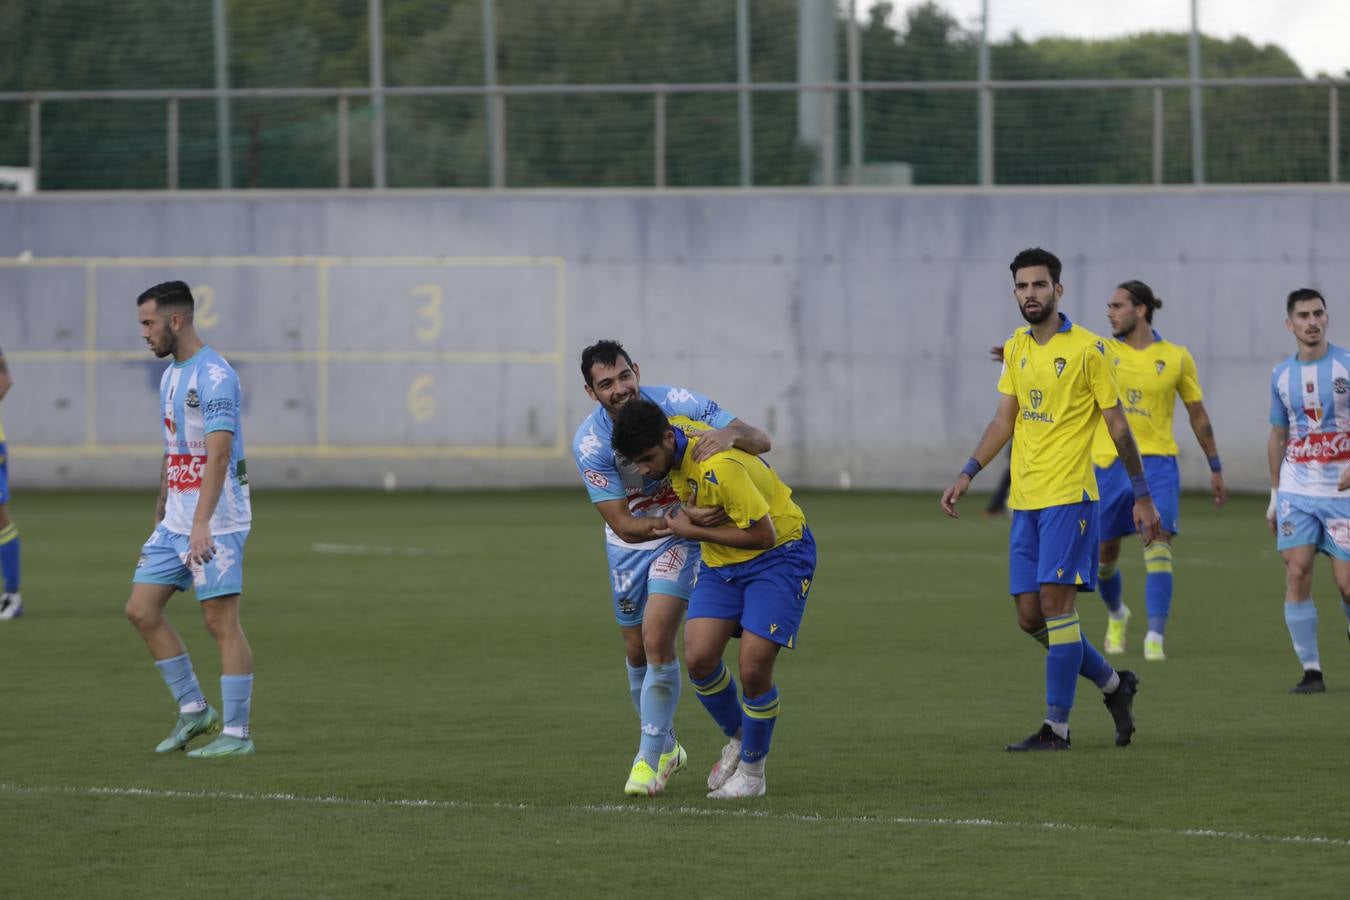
pixel 164 561
pixel 636 574
pixel 1324 522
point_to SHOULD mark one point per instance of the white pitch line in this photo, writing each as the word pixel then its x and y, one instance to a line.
pixel 376 550
pixel 654 810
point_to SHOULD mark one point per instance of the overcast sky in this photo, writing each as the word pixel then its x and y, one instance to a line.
pixel 1316 33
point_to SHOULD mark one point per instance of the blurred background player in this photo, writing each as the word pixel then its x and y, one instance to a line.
pixel 1151 373
pixel 11 604
pixel 1309 456
pixel 202 520
pixel 752 583
pixel 651 570
pixel 1055 386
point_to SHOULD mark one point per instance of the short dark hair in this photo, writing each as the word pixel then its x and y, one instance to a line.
pixel 1035 256
pixel 1300 295
pixel 169 293
pixel 604 352
pixel 639 426
pixel 1142 295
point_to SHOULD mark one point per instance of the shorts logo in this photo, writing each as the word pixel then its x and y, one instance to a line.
pixel 627 606
pixel 773 628
pixel 1287 529
pixel 1060 363
pixel 1159 365
pixel 806 586
pixel 1036 398
pixel 596 479
pixel 1134 396
pixel 669 563
pixel 140 562
pixel 1339 531
pixel 1082 526
pixel 1059 573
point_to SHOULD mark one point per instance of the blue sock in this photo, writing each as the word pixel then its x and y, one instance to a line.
pixel 660 695
pixel 636 676
pixel 1094 667
pixel 1061 665
pixel 236 693
pixel 717 693
pixel 1302 621
pixel 9 557
pixel 1158 585
pixel 1110 585
pixel 759 716
pixel 182 681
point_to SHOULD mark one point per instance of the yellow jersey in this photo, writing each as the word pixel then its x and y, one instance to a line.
pixel 1061 389
pixel 1150 380
pixel 742 484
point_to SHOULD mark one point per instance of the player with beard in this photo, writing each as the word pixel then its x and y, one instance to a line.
pixel 1055 386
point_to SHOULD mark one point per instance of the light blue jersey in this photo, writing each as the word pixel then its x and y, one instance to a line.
pixel 1312 400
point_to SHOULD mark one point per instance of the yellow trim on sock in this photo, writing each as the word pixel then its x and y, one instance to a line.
pixel 8 533
pixel 1064 629
pixel 717 686
pixel 768 712
pixel 1158 558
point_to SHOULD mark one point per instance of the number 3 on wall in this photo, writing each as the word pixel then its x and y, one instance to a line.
pixel 421 405
pixel 205 315
pixel 429 312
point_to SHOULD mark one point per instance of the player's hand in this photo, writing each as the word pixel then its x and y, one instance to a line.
pixel 200 545
pixel 680 524
pixel 1220 489
pixel 996 353
pixel 707 516
pixel 710 442
pixel 1270 510
pixel 954 493
pixel 1146 520
pixel 1343 483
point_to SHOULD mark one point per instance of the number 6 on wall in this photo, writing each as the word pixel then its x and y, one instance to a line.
pixel 421 405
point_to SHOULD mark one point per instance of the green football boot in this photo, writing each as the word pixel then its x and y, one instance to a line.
pixel 223 746
pixel 188 726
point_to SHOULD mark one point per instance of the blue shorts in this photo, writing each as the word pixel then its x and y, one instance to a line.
pixel 767 594
pixel 1324 522
pixel 4 473
pixel 164 561
pixel 635 574
pixel 1055 545
pixel 1116 512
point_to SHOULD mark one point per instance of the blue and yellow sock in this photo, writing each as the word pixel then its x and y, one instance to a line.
pixel 1042 637
pixel 1345 608
pixel 182 681
pixel 660 695
pixel 636 676
pixel 9 557
pixel 1110 585
pixel 236 695
pixel 1061 666
pixel 1301 619
pixel 759 715
pixel 1158 585
pixel 717 693
pixel 1094 667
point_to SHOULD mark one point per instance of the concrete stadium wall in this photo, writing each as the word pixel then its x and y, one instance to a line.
pixel 432 338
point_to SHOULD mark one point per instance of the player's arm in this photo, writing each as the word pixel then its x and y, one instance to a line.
pixel 200 545
pixel 1276 445
pixel 6 380
pixel 736 434
pixel 996 434
pixel 758 535
pixel 1204 433
pixel 631 528
pixel 1145 516
pixel 163 490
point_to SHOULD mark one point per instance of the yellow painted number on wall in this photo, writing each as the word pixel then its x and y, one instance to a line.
pixel 421 405
pixel 429 312
pixel 205 315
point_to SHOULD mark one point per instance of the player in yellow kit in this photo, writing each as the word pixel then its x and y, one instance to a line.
pixel 1152 373
pixel 1055 387
pixel 752 582
pixel 11 604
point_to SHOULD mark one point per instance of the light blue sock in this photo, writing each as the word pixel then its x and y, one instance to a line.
pixel 660 696
pixel 1158 585
pixel 759 715
pixel 1302 621
pixel 717 693
pixel 236 694
pixel 182 681
pixel 1110 585
pixel 636 676
pixel 9 557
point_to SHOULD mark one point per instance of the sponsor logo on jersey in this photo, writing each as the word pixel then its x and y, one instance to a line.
pixel 1060 363
pixel 679 395
pixel 590 444
pixel 216 374
pixel 1322 447
pixel 183 472
pixel 596 479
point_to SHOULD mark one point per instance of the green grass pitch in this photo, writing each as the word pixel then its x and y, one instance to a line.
pixel 441 710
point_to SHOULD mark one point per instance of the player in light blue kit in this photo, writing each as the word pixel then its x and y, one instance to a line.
pixel 651 570
pixel 201 522
pixel 1309 456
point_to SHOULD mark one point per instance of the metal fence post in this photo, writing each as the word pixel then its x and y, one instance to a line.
pixel 828 139
pixel 986 125
pixel 491 108
pixel 743 112
pixel 1334 135
pixel 35 141
pixel 344 152
pixel 1197 102
pixel 498 100
pixel 854 96
pixel 659 151
pixel 224 164
pixel 1157 136
pixel 171 142
pixel 375 16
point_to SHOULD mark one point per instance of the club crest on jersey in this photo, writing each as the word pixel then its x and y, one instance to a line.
pixel 1036 398
pixel 1159 365
pixel 1340 385
pixel 193 399
pixel 1060 363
